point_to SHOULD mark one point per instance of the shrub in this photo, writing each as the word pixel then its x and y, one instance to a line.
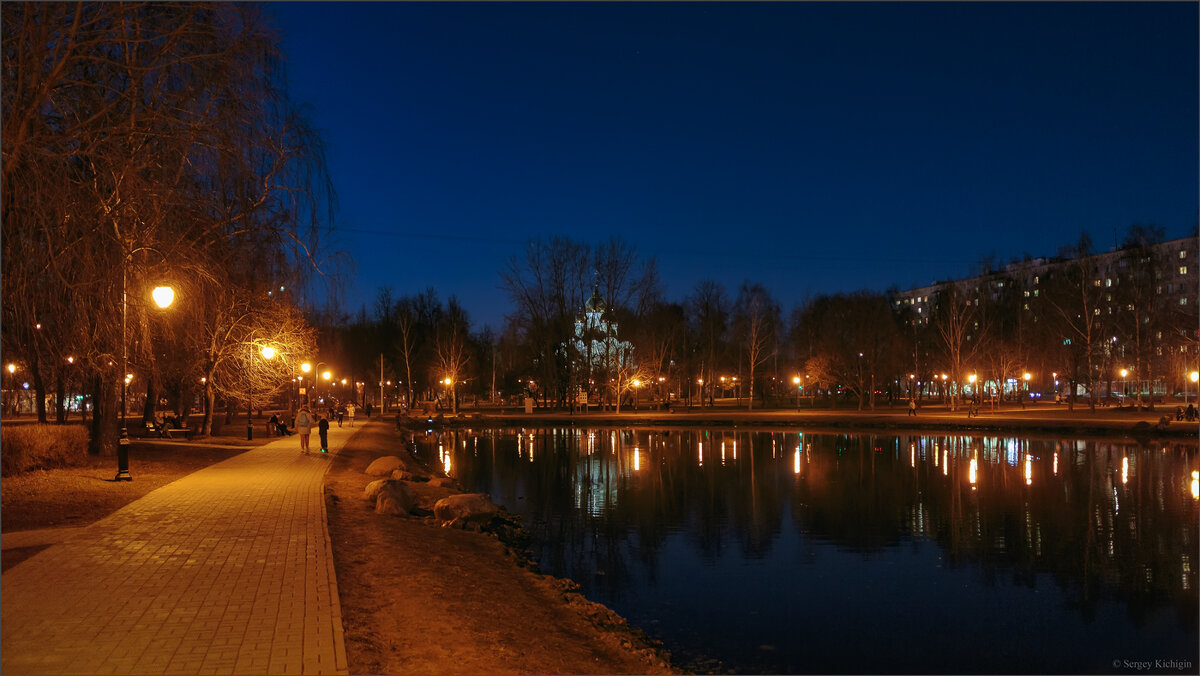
pixel 28 447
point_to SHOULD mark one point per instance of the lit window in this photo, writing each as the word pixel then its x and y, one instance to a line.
pixel 1027 306
pixel 1035 293
pixel 1035 280
pixel 1182 254
pixel 1096 283
pixel 1026 294
pixel 1183 301
pixel 1108 282
pixel 1183 269
pixel 1097 311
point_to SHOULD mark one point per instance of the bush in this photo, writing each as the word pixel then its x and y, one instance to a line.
pixel 29 447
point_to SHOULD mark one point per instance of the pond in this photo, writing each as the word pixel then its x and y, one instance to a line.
pixel 794 552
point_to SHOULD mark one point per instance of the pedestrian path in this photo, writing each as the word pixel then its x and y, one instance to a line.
pixel 228 570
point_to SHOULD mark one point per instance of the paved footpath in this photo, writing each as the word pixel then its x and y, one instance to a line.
pixel 228 570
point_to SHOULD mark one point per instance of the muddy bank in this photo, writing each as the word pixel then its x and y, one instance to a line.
pixel 417 598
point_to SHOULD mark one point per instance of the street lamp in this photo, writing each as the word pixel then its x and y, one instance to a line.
pixel 1124 388
pixel 267 352
pixel 163 297
pixel 796 382
pixel 1193 376
pixel 12 369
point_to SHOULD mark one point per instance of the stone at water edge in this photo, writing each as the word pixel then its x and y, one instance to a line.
pixel 394 491
pixel 372 489
pixel 388 505
pixel 403 475
pixel 443 482
pixel 384 466
pixel 465 508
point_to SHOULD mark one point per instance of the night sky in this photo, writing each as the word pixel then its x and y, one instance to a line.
pixel 814 148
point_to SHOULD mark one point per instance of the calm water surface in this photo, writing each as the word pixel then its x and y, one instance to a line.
pixel 786 552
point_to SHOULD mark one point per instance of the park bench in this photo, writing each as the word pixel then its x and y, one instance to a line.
pixel 154 429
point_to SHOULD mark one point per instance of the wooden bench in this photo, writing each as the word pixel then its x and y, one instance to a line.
pixel 153 429
pixel 176 432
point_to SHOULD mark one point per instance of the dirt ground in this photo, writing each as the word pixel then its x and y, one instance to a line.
pixel 419 599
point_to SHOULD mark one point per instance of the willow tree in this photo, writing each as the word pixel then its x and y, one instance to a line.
pixel 146 143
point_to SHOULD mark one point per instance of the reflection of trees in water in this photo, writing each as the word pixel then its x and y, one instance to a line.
pixel 1104 520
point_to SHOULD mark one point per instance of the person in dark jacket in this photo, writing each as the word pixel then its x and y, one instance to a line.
pixel 323 430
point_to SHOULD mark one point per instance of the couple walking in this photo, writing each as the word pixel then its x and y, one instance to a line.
pixel 304 423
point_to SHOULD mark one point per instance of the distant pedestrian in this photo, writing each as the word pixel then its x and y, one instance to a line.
pixel 1190 413
pixel 912 407
pixel 350 408
pixel 341 413
pixel 973 410
pixel 304 422
pixel 323 430
pixel 368 408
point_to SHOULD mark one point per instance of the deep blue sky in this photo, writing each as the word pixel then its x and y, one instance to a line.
pixel 812 147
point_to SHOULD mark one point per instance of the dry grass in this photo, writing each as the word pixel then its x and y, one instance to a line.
pixel 76 496
pixel 38 446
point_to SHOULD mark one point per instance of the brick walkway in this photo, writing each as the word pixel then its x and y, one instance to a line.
pixel 226 571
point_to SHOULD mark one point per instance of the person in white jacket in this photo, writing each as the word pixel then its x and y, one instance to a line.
pixel 304 423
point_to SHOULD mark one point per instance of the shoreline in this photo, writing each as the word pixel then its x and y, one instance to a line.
pixel 1041 420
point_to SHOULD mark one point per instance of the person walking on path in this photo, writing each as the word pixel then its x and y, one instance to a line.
pixel 304 422
pixel 341 412
pixel 350 408
pixel 323 431
pixel 912 407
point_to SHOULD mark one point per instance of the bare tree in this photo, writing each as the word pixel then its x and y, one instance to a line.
pixel 146 143
pixel 1074 293
pixel 452 348
pixel 548 287
pixel 708 307
pixel 957 319
pixel 756 324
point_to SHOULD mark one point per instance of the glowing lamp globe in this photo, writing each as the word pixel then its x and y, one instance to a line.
pixel 163 296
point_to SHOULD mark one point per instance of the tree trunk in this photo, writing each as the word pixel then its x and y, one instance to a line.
pixel 39 387
pixel 105 428
pixel 60 413
pixel 150 405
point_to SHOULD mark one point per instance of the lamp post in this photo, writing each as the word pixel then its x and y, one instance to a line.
pixel 268 352
pixel 1193 376
pixel 1124 387
pixel 796 382
pixel 12 370
pixel 163 297
pixel 305 368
